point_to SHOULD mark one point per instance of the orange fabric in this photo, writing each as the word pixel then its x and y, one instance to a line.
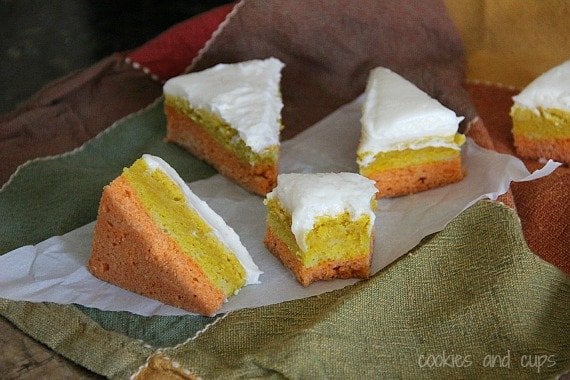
pixel 544 204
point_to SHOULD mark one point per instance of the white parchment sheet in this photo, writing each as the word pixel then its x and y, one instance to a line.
pixel 54 270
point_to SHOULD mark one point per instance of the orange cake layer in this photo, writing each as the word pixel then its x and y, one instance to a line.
pixel 150 262
pixel 257 178
pixel 536 148
pixel 416 178
pixel 326 270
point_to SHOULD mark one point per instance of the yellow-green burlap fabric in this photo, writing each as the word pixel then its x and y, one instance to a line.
pixel 469 302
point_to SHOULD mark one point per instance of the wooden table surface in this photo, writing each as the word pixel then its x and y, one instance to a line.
pixel 21 357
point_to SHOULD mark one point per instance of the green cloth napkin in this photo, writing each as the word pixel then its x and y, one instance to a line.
pixel 471 301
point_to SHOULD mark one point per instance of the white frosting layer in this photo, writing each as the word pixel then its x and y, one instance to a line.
pixel 397 115
pixel 549 90
pixel 221 230
pixel 246 95
pixel 308 196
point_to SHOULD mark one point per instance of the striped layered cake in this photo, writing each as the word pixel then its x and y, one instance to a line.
pixel 155 237
pixel 541 116
pixel 230 116
pixel 409 141
pixel 320 225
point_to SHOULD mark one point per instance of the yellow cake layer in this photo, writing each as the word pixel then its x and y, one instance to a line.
pixel 222 132
pixel 166 204
pixel 396 159
pixel 545 123
pixel 333 238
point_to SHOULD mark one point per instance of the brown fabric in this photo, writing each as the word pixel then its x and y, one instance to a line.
pixel 70 111
pixel 544 204
pixel 329 47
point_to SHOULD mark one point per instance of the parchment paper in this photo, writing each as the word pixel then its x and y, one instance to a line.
pixel 54 270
